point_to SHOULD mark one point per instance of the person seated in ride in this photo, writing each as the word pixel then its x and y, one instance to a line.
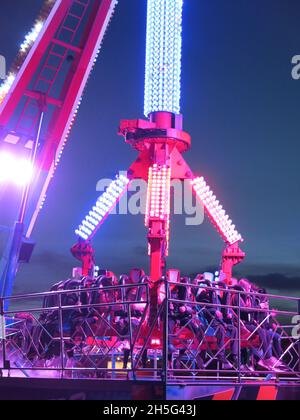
pixel 267 321
pixel 185 316
pixel 123 319
pixel 173 278
pixel 136 277
pixel 227 316
pixel 220 320
pixel 247 304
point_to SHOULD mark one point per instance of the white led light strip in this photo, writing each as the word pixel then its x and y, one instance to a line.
pixel 28 42
pixel 158 197
pixel 6 85
pixel 216 212
pixel 163 56
pixel 25 47
pixel 31 37
pixel 103 207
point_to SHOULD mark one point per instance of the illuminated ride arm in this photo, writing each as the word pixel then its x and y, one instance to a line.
pixel 83 250
pixel 103 207
pixel 232 254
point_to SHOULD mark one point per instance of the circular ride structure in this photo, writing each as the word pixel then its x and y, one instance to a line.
pixel 160 327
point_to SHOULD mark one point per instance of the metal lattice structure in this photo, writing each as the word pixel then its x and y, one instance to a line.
pixel 100 330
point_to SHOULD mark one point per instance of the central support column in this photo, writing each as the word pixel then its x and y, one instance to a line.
pixel 161 134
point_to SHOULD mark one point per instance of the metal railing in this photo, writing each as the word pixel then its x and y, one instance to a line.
pixel 255 337
pixel 114 333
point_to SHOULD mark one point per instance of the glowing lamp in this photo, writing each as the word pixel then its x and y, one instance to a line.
pixel 15 170
pixel 155 342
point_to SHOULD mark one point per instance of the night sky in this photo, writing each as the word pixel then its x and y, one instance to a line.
pixel 240 105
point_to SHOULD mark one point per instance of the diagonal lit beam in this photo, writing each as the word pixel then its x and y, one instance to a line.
pixel 215 212
pixel 103 207
pixel 25 47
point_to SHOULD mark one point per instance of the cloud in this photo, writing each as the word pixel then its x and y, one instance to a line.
pixel 45 269
pixel 277 281
pixel 262 269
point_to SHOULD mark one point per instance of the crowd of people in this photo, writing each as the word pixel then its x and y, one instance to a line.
pixel 231 324
pixel 238 315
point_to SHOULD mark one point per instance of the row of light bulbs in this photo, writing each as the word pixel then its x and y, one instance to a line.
pixel 216 212
pixel 163 57
pixel 103 207
pixel 158 198
pixel 25 47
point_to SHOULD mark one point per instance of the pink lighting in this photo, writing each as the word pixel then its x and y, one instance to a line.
pixel 15 170
pixel 216 212
pixel 155 342
pixel 158 198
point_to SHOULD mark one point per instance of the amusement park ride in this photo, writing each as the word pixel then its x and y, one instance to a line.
pixel 39 101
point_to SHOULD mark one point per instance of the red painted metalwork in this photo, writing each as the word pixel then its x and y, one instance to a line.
pixel 232 255
pixel 84 253
pixel 55 72
pixel 224 396
pixel 161 142
pixel 267 393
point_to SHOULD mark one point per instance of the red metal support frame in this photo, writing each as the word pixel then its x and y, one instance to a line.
pixel 60 127
pixel 72 92
pixel 231 256
pixel 158 140
pixel 161 143
pixel 56 71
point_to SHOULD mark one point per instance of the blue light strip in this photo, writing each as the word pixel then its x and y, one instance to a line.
pixel 163 56
pixel 105 204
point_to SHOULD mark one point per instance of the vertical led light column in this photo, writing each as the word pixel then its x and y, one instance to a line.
pixel 163 56
pixel 158 198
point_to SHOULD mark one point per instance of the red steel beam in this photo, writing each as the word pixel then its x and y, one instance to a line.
pixel 60 128
pixel 32 62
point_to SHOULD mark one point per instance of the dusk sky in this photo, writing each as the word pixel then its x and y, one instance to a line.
pixel 242 108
